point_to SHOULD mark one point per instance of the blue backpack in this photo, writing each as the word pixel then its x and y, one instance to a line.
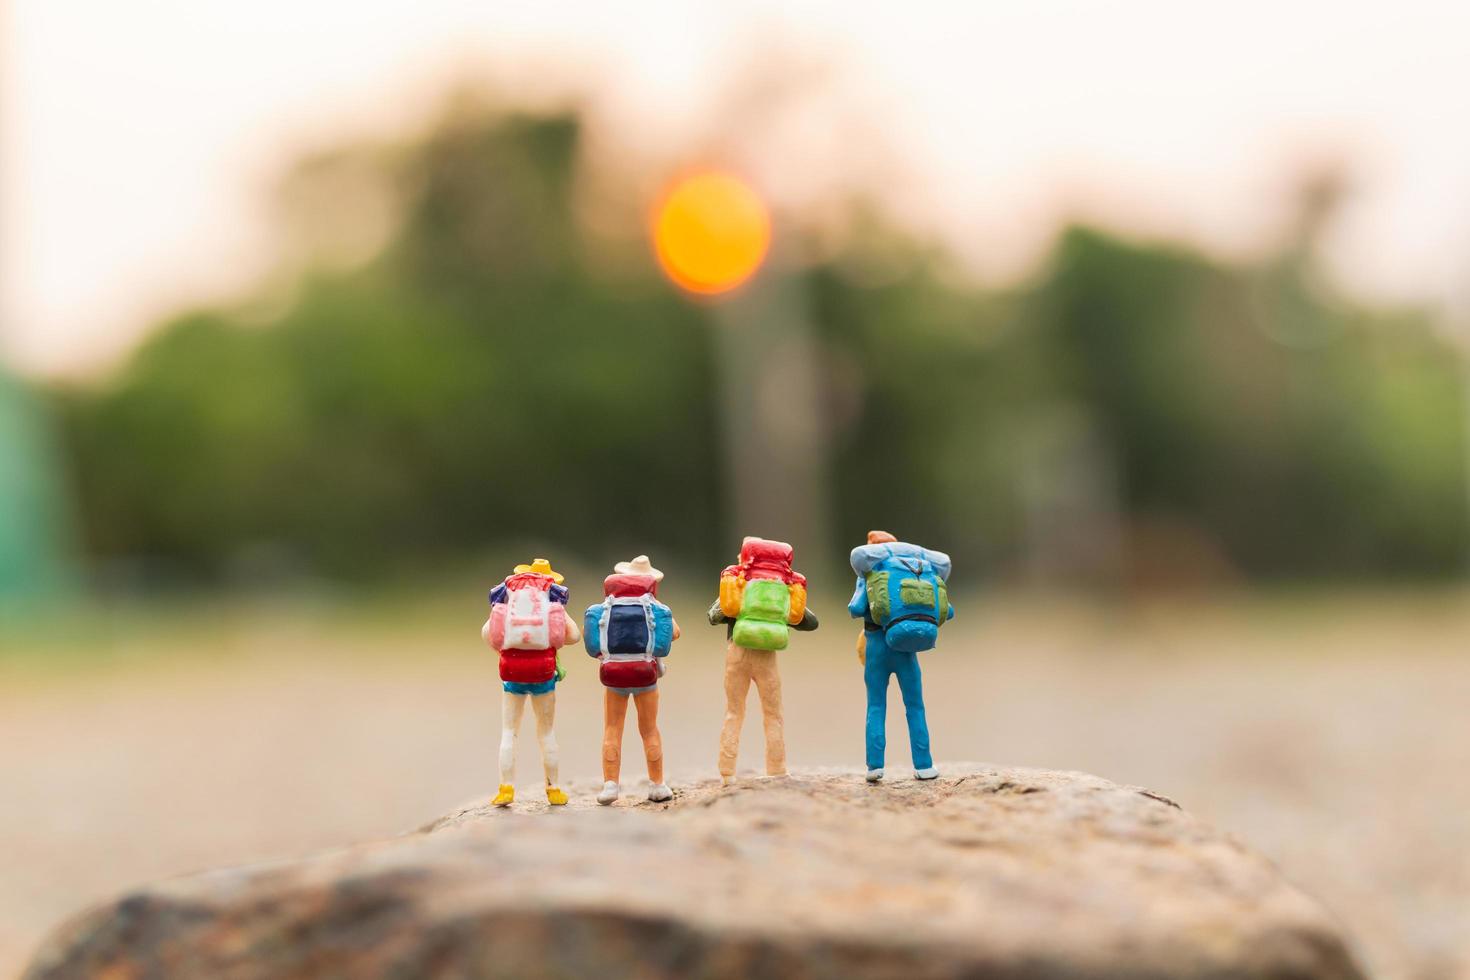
pixel 628 634
pixel 902 589
pixel 626 626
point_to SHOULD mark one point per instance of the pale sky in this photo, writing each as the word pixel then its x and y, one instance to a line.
pixel 139 140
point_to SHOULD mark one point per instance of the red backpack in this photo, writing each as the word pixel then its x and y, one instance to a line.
pixel 528 628
pixel 763 595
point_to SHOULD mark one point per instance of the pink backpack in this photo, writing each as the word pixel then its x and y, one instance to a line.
pixel 528 619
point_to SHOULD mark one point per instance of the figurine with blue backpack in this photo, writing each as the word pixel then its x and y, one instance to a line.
pixel 630 632
pixel 902 597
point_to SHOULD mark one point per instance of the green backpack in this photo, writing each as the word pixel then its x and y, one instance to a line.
pixel 764 609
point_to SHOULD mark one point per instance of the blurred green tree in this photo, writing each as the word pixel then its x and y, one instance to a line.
pixel 485 379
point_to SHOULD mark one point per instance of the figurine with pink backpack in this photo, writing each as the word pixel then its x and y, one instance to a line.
pixel 528 624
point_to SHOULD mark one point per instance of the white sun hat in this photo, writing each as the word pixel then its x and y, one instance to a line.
pixel 639 566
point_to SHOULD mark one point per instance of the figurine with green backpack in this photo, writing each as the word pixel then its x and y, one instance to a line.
pixel 762 598
pixel 902 597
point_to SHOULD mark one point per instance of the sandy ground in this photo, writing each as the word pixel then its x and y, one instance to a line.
pixel 1333 735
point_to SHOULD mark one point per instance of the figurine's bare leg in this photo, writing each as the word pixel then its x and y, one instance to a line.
pixel 544 705
pixel 737 688
pixel 512 707
pixel 614 713
pixel 768 686
pixel 653 743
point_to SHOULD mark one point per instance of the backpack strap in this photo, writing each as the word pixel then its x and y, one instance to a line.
pixel 650 626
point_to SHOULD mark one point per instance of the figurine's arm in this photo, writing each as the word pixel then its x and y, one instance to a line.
pixel 485 632
pixel 858 609
pixel 677 634
pixel 574 632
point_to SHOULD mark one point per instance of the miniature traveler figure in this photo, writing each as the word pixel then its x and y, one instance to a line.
pixel 903 598
pixel 528 623
pixel 631 632
pixel 761 600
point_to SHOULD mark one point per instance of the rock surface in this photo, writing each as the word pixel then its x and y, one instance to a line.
pixel 993 873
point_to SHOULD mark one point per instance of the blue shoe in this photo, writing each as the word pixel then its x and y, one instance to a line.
pixel 930 773
pixel 874 775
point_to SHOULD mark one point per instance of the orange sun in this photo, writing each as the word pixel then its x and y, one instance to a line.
pixel 711 232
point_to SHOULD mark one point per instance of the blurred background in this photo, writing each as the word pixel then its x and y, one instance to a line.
pixel 317 318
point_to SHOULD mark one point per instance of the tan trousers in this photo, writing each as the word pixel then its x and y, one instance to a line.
pixel 614 713
pixel 743 666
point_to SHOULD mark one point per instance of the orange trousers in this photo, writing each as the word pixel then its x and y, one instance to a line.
pixel 742 668
pixel 614 715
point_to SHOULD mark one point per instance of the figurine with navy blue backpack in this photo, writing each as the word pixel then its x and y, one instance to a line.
pixel 528 624
pixel 902 597
pixel 630 632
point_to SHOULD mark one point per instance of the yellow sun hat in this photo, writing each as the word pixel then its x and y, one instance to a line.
pixel 541 566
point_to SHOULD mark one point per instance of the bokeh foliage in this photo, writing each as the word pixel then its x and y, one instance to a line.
pixel 485 378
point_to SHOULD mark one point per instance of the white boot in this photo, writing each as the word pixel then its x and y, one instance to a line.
pixel 874 775
pixel 610 791
pixel 930 773
pixel 660 793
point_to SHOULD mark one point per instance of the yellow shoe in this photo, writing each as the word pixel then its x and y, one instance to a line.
pixel 506 795
pixel 555 796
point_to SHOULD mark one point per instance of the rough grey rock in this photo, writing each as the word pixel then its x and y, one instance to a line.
pixel 992 873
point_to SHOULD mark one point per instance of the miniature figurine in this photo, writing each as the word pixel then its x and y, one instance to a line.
pixel 902 597
pixel 761 599
pixel 631 633
pixel 528 623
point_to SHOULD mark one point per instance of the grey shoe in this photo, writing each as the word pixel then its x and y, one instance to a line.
pixel 660 793
pixel 930 773
pixel 874 775
pixel 610 792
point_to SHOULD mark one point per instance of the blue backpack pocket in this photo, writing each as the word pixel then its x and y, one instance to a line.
pixel 627 629
pixel 592 629
pixel 915 596
pixel 911 635
pixel 663 628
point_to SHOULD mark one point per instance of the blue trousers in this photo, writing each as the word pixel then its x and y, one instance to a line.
pixel 882 662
